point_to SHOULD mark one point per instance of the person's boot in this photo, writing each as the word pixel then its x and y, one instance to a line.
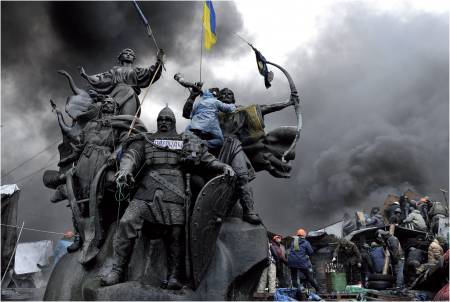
pixel 176 260
pixel 123 250
pixel 77 243
pixel 75 246
pixel 246 198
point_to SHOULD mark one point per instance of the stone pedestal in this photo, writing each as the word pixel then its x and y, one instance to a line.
pixel 239 258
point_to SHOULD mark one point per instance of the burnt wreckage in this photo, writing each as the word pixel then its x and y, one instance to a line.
pixel 157 215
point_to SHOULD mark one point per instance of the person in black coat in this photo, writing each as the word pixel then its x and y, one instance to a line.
pixel 397 254
pixel 390 210
pixel 415 259
pixel 366 265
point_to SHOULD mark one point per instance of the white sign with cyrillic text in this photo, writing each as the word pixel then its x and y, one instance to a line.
pixel 168 143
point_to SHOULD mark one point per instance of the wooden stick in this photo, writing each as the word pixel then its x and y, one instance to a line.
pixel 12 256
pixel 140 105
pixel 445 196
pixel 388 255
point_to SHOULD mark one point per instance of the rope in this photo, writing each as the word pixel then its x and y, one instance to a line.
pixel 44 217
pixel 44 149
pixel 15 226
pixel 135 117
pixel 32 173
pixel 42 168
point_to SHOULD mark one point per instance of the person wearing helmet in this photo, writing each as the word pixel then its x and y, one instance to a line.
pixel 390 210
pixel 417 220
pixel 397 218
pixel 300 248
pixel 281 260
pixel 422 206
pixel 396 252
pixel 348 254
pixel 437 211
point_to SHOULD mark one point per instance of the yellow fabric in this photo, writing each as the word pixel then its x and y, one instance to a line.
pixel 254 124
pixel 210 37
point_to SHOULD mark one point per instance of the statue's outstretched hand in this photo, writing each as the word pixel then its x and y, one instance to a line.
pixel 123 178
pixel 55 108
pixel 82 73
pixel 227 170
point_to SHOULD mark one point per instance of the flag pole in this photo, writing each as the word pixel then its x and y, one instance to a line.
pixel 201 51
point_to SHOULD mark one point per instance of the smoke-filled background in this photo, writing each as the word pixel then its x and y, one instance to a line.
pixel 373 83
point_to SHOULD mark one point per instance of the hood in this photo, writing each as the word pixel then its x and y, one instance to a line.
pixel 416 211
pixel 343 241
pixel 378 215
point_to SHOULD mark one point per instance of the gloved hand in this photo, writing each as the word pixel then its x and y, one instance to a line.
pixel 359 264
pixel 122 177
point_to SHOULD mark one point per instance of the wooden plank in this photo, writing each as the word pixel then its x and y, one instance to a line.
pixel 360 216
pixel 411 195
pixel 385 297
pixel 389 200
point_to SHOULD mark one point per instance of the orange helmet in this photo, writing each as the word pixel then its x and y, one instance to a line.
pixel 277 237
pixel 301 232
pixel 423 200
pixel 68 234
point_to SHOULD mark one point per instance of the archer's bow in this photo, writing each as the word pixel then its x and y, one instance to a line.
pixel 296 107
pixel 268 77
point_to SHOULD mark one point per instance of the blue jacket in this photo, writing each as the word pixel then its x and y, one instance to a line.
pixel 298 259
pixel 205 117
pixel 377 255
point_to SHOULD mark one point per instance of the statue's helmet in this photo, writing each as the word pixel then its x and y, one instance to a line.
pixel 167 113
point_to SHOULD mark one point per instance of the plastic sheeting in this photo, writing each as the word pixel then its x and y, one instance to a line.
pixel 29 254
pixel 10 205
pixel 9 189
pixel 285 294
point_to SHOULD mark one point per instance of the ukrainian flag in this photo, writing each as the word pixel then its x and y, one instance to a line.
pixel 209 21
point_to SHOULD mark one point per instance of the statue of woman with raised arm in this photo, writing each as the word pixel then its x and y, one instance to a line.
pixel 123 83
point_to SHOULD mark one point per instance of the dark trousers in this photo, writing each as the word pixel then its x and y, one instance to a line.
pixel 351 272
pixel 306 273
pixel 280 276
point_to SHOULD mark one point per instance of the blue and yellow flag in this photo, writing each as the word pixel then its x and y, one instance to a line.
pixel 209 21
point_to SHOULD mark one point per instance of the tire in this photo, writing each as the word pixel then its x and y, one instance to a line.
pixel 380 277
pixel 379 285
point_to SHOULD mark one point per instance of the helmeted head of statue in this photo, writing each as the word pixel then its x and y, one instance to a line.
pixel 226 96
pixel 127 55
pixel 166 120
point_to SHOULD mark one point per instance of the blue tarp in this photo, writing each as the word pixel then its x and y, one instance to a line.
pixel 285 294
pixel 205 117
pixel 60 250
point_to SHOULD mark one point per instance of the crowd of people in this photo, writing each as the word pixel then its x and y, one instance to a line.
pixel 359 263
